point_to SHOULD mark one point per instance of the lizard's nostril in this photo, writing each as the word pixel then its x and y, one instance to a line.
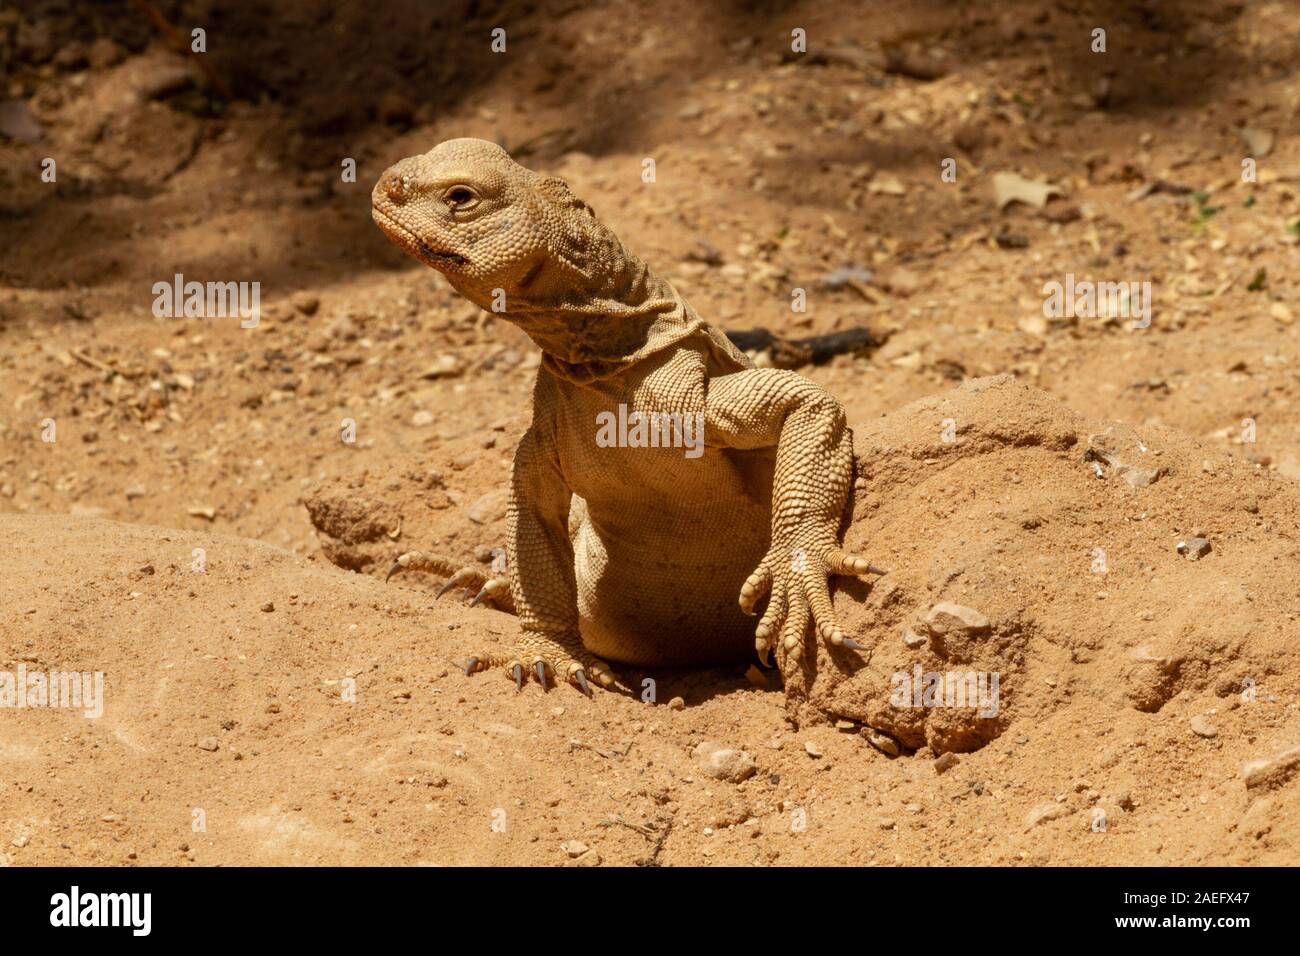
pixel 395 189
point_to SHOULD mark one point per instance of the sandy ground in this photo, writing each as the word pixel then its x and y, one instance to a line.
pixel 336 727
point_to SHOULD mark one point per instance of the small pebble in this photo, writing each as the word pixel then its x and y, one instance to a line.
pixel 882 742
pixel 946 762
pixel 1194 548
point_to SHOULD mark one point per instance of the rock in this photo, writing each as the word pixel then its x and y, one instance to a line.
pixel 883 742
pixel 1193 549
pixel 209 744
pixel 21 841
pixel 306 302
pixel 913 639
pixel 946 617
pixel 677 704
pixel 445 366
pixel 422 418
pixel 1150 678
pixel 574 848
pixel 946 762
pixel 1258 141
pixel 1010 187
pixel 135 491
pixel 724 763
pixel 956 632
pixel 1104 448
pixel 489 508
pixel 813 750
pixel 1273 771
pixel 887 824
pixel 268 607
pixel 1137 477
pixel 1044 812
pixel 1202 727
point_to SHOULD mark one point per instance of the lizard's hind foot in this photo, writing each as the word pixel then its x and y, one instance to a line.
pixel 487 588
pixel 549 660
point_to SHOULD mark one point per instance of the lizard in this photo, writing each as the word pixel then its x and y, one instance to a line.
pixel 665 486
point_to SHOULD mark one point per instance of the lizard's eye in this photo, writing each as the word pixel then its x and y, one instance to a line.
pixel 459 197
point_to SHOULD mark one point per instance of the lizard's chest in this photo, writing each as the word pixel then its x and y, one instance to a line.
pixel 642 433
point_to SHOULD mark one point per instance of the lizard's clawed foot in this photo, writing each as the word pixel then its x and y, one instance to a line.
pixel 549 660
pixel 487 588
pixel 796 579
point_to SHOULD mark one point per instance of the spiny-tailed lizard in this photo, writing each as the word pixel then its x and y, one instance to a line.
pixel 663 476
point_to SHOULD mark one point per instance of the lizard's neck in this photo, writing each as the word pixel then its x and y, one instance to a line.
pixel 594 318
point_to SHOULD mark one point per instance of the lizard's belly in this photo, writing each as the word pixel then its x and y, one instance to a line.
pixel 666 592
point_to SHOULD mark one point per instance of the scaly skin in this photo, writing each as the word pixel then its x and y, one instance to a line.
pixel 632 554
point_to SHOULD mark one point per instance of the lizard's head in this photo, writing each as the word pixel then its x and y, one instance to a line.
pixel 468 210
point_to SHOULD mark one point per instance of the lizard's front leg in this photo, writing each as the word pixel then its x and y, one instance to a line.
pixel 542 575
pixel 811 484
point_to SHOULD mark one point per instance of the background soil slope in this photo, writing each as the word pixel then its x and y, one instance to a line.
pixel 773 171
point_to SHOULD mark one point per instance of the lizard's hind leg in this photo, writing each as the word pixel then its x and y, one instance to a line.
pixel 487 587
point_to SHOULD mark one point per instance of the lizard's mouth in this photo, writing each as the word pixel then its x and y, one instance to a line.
pixel 436 256
pixel 414 244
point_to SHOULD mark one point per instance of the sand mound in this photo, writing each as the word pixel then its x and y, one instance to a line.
pixel 1058 541
pixel 1145 708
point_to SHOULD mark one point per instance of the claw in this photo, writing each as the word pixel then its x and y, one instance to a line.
pixel 582 683
pixel 480 596
pixel 540 668
pixel 451 583
pixel 852 644
pixel 764 651
pixel 518 671
pixel 469 665
pixel 392 570
pixel 872 569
